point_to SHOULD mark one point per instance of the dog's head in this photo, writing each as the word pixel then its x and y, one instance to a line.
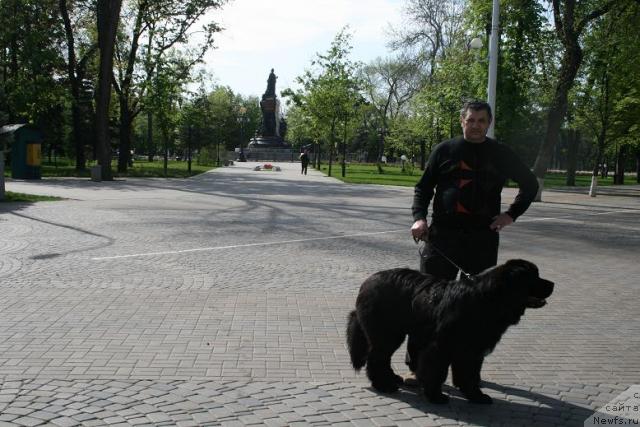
pixel 522 278
pixel 518 286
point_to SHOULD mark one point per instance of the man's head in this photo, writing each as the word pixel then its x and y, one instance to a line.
pixel 475 118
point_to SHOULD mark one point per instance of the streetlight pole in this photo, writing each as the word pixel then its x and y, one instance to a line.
pixel 493 63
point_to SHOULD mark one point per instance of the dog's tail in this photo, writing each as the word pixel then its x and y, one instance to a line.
pixel 357 342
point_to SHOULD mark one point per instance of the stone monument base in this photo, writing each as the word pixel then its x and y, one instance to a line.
pixel 272 142
pixel 270 154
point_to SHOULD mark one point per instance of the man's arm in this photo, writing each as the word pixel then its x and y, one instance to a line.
pixel 521 175
pixel 423 193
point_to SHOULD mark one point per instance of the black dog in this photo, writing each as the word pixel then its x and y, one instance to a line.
pixel 453 323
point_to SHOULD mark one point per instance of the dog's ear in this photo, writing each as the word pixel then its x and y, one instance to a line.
pixel 520 267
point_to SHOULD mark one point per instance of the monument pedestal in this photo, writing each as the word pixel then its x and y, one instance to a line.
pixel 268 142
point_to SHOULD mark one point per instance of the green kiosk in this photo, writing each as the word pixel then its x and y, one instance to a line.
pixel 23 142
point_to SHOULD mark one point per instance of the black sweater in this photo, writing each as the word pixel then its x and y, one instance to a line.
pixel 468 179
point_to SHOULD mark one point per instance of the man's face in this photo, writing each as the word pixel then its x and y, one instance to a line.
pixel 475 125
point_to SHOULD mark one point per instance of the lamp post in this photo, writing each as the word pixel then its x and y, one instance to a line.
pixel 242 111
pixel 476 43
pixel 493 64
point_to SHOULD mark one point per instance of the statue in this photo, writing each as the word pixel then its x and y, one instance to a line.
pixel 271 132
pixel 271 85
pixel 269 106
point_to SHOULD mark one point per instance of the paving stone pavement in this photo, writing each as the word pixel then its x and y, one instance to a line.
pixel 222 300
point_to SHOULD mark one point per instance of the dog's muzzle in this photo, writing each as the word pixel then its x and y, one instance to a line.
pixel 542 290
pixel 533 302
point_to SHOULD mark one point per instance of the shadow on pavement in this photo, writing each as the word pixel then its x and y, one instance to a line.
pixel 542 409
pixel 79 230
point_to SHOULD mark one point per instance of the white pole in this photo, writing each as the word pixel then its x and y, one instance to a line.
pixel 2 193
pixel 493 63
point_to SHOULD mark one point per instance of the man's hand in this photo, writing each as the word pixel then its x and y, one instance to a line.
pixel 420 230
pixel 501 221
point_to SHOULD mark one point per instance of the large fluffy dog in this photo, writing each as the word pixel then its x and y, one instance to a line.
pixel 453 323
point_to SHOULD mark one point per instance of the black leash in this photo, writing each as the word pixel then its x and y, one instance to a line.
pixel 442 254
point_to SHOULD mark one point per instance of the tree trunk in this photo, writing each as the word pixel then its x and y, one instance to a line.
pixel 572 156
pixel 638 165
pixel 318 155
pixel 332 144
pixel 344 150
pixel 124 153
pixel 108 14
pixel 571 60
pixel 152 148
pixel 165 145
pixel 77 134
pixel 124 94
pixel 618 178
pixel 568 28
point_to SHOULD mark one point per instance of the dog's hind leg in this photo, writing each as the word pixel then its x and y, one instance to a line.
pixel 379 364
pixel 415 342
pixel 465 371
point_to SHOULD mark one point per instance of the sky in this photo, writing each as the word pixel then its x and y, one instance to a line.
pixel 286 34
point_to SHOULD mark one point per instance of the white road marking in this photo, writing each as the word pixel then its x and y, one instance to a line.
pixel 573 216
pixel 215 248
pixel 566 218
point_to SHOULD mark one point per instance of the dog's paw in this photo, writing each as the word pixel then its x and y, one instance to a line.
pixel 385 386
pixel 476 396
pixel 437 398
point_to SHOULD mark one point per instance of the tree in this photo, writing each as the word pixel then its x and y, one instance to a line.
pixel 390 84
pixel 434 25
pixel 167 24
pixel 328 93
pixel 31 61
pixel 81 104
pixel 570 22
pixel 108 15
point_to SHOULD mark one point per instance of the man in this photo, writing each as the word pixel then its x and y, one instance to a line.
pixel 304 161
pixel 467 175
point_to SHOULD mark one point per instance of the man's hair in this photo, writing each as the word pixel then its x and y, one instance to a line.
pixel 475 106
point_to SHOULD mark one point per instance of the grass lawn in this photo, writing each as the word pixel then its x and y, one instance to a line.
pixel 141 168
pixel 393 175
pixel 21 197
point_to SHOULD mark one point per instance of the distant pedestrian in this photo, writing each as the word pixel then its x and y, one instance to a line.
pixel 304 161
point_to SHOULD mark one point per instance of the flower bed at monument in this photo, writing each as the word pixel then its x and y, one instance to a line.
pixel 267 167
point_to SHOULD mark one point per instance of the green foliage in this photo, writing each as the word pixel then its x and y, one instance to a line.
pixel 607 94
pixel 10 196
pixel 393 175
pixel 328 96
pixel 30 36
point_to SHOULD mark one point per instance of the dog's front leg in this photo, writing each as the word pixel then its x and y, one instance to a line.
pixel 432 373
pixel 465 371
